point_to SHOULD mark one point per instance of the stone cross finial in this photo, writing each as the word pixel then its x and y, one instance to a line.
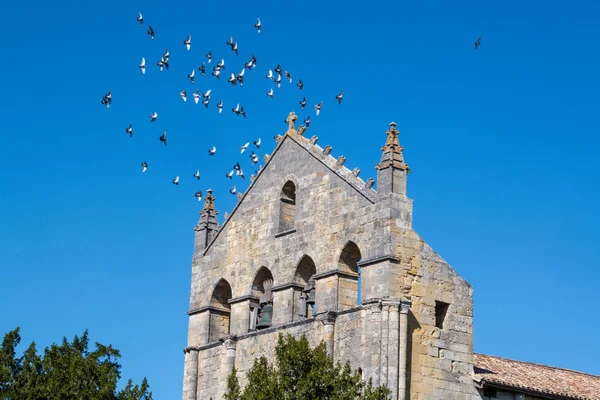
pixel 291 119
pixel 209 200
pixel 392 139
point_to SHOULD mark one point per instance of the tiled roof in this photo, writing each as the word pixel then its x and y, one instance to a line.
pixel 536 378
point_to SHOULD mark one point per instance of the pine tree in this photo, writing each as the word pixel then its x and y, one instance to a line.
pixel 69 371
pixel 303 373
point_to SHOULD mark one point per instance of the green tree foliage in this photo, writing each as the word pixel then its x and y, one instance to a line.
pixel 69 371
pixel 302 373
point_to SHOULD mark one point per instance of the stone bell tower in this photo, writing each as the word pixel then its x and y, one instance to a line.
pixel 312 249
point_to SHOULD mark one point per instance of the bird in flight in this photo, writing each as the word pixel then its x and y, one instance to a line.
pixel 318 108
pixel 144 166
pixel 477 43
pixel 212 151
pixel 129 130
pixel 197 174
pixel 258 25
pixel 300 84
pixel 151 32
pixel 153 116
pixel 163 137
pixel 188 42
pixel 142 65
pixel 339 97
pixel 140 19
pixel 270 93
pixel 176 180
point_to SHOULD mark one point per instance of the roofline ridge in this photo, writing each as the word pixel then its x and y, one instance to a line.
pixel 539 365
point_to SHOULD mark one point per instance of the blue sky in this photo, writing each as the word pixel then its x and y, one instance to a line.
pixel 502 142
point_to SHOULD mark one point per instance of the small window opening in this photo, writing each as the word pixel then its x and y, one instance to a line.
pixel 287 207
pixel 441 309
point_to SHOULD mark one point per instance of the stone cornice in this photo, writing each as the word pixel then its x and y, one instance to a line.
pixel 208 308
pixel 287 286
pixel 335 272
pixel 243 298
pixel 376 260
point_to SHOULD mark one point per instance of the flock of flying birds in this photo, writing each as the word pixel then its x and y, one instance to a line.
pixel 276 75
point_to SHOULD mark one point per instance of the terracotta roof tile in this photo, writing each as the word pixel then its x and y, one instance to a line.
pixel 538 378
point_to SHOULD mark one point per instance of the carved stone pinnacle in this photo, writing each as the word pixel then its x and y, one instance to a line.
pixel 209 200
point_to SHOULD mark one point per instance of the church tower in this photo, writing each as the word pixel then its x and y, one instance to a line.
pixel 312 249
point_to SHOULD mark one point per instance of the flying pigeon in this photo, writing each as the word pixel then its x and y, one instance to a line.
pixel 163 137
pixel 221 64
pixel 140 19
pixel 300 84
pixel 249 64
pixel 232 79
pixel 197 174
pixel 196 96
pixel 153 116
pixel 183 95
pixel 235 48
pixel 257 143
pixel 270 93
pixel 244 147
pixel 176 180
pixel 339 97
pixel 212 151
pixel 198 195
pixel 202 69
pixel 107 99
pixel 191 76
pixel 163 63
pixel 142 65
pixel 229 175
pixel 188 42
pixel 205 102
pixel 236 109
pixel 237 166
pixel 258 25
pixel 288 75
pixel 278 81
pixel 303 103
pixel 270 75
pixel 144 166
pixel 129 130
pixel 278 69
pixel 242 112
pixel 240 172
pixel 206 95
pixel 209 56
pixel 166 55
pixel 216 72
pixel 254 158
pixel 240 77
pixel 477 43
pixel 232 190
pixel 318 107
pixel 307 121
pixel 220 106
pixel 230 42
pixel 151 32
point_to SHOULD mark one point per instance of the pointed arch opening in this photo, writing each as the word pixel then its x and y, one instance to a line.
pixel 261 313
pixel 220 311
pixel 287 207
pixel 304 276
pixel 349 283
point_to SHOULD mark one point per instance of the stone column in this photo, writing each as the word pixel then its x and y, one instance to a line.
pixel 403 350
pixel 328 320
pixel 190 375
pixel 393 308
pixel 239 321
pixel 285 299
pixel 383 366
pixel 227 363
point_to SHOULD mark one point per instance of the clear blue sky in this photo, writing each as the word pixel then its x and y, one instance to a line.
pixel 503 143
